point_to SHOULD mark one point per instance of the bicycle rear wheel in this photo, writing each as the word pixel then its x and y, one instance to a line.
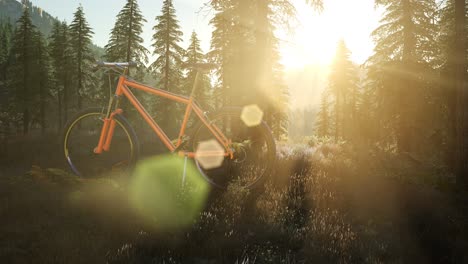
pixel 254 150
pixel 81 136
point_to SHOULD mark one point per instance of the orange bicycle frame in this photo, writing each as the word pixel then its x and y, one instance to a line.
pixel 123 85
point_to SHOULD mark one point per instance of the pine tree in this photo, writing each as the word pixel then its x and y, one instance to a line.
pixel 449 59
pixel 460 52
pixel 232 48
pixel 342 85
pixel 221 51
pixel 41 77
pixel 67 77
pixel 59 50
pixel 166 46
pixel 403 53
pixel 268 72
pixel 3 49
pixel 22 67
pixel 6 33
pixel 323 117
pixel 194 54
pixel 366 111
pixel 245 48
pixel 80 39
pixel 126 43
pixel 166 39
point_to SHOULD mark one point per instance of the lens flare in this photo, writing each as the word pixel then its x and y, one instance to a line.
pixel 210 154
pixel 158 194
pixel 252 115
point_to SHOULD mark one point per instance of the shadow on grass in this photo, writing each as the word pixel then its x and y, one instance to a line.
pixel 323 204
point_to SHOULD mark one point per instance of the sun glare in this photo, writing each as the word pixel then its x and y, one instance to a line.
pixel 314 40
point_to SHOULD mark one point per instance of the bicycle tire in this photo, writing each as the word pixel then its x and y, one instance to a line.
pixel 262 130
pixel 81 157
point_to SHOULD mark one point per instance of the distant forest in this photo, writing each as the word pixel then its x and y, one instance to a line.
pixel 412 100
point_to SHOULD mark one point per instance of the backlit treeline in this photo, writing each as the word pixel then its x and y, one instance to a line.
pixel 405 95
pixel 47 79
pixel 245 47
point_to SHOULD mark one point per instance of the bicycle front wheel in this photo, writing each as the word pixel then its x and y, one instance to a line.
pixel 81 136
pixel 254 150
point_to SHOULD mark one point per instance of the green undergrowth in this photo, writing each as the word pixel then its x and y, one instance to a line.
pixel 325 203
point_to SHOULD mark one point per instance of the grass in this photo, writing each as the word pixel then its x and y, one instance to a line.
pixel 325 203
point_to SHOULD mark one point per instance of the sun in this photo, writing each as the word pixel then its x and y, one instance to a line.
pixel 305 49
pixel 314 40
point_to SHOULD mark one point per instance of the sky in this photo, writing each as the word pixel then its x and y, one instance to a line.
pixel 306 52
pixel 101 15
pixel 313 41
pixel 315 38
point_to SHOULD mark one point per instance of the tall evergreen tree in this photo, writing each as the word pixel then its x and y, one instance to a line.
pixel 41 77
pixel 221 50
pixel 166 38
pixel 126 43
pixel 342 84
pixel 323 117
pixel 6 32
pixel 193 55
pixel 59 49
pixel 366 121
pixel 245 48
pixel 460 52
pixel 448 93
pixel 22 67
pixel 80 39
pixel 267 69
pixel 403 52
pixel 451 60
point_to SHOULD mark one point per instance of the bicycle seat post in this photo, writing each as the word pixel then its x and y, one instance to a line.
pixel 195 83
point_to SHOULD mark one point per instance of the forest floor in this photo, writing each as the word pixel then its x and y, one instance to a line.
pixel 311 210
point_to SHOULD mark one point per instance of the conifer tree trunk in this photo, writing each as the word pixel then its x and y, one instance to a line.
pixel 59 110
pixel 26 102
pixel 405 85
pixel 42 109
pixel 65 102
pixel 80 77
pixel 462 94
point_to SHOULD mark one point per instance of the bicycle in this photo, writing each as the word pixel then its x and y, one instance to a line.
pixel 247 152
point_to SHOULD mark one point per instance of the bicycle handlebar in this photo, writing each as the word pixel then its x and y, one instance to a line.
pixel 201 66
pixel 123 65
pixel 100 64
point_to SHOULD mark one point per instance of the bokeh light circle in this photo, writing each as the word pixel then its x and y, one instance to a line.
pixel 252 115
pixel 159 194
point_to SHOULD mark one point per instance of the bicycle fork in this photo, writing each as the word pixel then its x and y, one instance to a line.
pixel 107 132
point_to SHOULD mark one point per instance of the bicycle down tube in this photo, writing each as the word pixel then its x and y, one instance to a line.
pixel 123 89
